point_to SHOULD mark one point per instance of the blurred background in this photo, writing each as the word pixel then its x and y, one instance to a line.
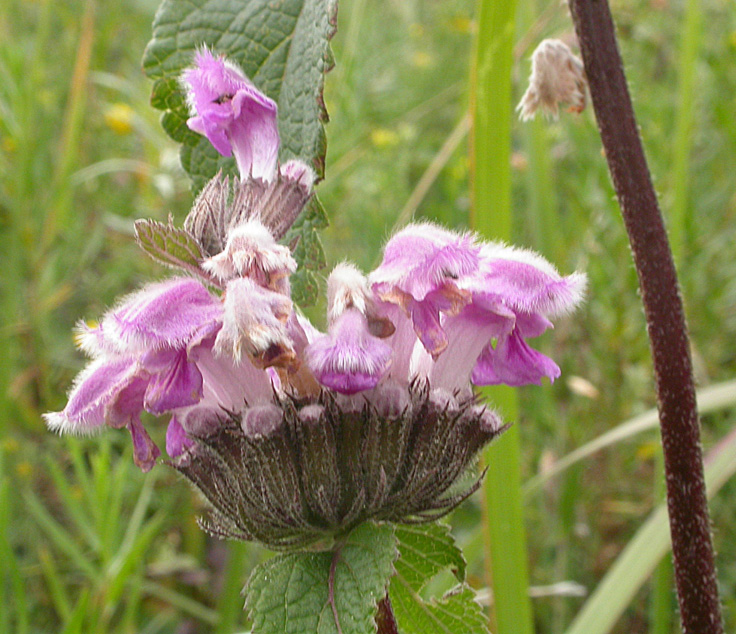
pixel 89 544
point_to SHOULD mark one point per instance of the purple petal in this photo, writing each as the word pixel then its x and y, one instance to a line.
pixel 145 451
pixel 425 318
pixel 215 132
pixel 175 381
pixel 421 259
pixel 174 314
pixel 425 315
pixel 513 363
pixel 532 325
pixel 93 391
pixel 468 334
pixel 127 404
pixel 526 282
pixel 349 359
pixel 402 342
pixel 229 385
pixel 177 441
pixel 234 115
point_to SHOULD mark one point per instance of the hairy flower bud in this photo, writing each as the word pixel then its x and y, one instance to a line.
pixel 557 77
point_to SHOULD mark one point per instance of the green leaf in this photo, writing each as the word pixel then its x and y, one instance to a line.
pixel 291 593
pixel 308 252
pixel 173 246
pixel 282 46
pixel 304 287
pixel 424 552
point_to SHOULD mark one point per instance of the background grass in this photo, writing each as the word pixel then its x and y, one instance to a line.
pixel 88 544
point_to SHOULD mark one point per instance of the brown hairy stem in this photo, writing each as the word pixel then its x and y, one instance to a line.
pixel 692 549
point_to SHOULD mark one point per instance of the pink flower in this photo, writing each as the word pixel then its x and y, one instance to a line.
pixel 464 297
pixel 350 358
pixel 154 352
pixel 233 114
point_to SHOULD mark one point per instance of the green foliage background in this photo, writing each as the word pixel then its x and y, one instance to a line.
pixel 88 544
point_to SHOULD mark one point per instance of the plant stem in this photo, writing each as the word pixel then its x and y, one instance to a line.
pixel 385 619
pixel 692 548
pixel 502 524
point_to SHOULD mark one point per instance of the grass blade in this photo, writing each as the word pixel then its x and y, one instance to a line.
pixel 503 519
pixel 684 123
pixel 58 535
pixel 230 606
pixel 72 503
pixel 642 554
pixel 710 399
pixel 181 601
pixel 55 583
pixel 12 588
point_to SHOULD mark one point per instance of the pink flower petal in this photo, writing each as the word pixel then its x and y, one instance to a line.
pixel 512 362
pixel 172 314
pixel 349 359
pixel 175 381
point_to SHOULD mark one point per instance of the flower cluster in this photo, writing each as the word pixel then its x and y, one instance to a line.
pixel 288 431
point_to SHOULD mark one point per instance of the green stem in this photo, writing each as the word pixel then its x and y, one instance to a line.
pixel 491 111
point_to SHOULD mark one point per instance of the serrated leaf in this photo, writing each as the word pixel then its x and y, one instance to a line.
pixel 290 594
pixel 170 245
pixel 304 287
pixel 425 551
pixel 282 45
pixel 200 160
pixel 308 252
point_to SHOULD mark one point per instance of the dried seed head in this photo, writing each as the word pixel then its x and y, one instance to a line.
pixel 222 207
pixel 557 77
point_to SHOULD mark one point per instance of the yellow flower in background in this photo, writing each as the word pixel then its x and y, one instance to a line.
pixel 119 118
pixel 422 59
pixel 9 145
pixel 383 138
pixel 462 24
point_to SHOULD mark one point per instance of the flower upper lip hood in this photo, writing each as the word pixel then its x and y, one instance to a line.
pixel 423 258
